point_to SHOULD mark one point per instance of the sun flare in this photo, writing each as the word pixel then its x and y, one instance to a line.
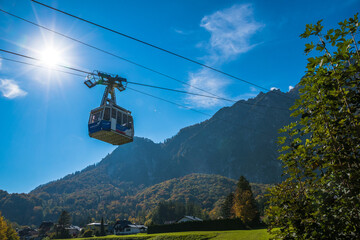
pixel 51 56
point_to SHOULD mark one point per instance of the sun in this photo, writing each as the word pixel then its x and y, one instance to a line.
pixel 51 56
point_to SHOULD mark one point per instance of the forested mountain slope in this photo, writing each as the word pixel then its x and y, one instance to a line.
pixel 237 140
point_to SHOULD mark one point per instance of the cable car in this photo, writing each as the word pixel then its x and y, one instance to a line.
pixel 109 122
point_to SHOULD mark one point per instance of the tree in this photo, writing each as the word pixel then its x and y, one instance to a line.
pixel 173 210
pixel 64 219
pixel 6 231
pixel 88 233
pixel 3 228
pixel 245 206
pixel 102 228
pixel 227 207
pixel 63 223
pixel 320 196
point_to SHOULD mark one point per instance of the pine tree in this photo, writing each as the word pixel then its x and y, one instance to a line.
pixel 227 207
pixel 320 199
pixel 245 206
pixel 102 228
pixel 63 223
pixel 64 219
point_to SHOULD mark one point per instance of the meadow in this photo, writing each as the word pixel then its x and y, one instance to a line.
pixel 257 234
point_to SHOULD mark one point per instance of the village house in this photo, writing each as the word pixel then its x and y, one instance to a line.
pixel 96 227
pixel 28 233
pixel 73 230
pixel 188 219
pixel 123 227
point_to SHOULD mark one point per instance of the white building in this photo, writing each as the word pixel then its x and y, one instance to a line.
pixel 126 227
pixel 134 229
pixel 189 219
pixel 96 227
pixel 73 230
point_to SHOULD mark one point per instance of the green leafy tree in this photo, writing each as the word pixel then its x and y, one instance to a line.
pixel 3 228
pixel 88 233
pixel 245 206
pixel 6 231
pixel 11 233
pixel 320 198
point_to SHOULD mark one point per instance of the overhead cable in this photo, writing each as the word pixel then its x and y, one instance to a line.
pixel 156 47
pixel 36 59
pixel 109 53
pixel 135 83
pixel 165 100
pixel 141 92
pixel 40 66
pixel 135 90
pixel 203 113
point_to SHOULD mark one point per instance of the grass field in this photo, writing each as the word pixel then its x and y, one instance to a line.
pixel 258 234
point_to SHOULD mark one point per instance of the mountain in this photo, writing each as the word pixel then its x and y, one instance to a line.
pixel 21 208
pixel 237 140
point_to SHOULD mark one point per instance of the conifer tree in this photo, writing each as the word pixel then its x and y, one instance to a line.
pixel 64 219
pixel 245 206
pixel 63 222
pixel 227 207
pixel 102 228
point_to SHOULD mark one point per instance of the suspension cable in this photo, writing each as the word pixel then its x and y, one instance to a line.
pixel 109 53
pixel 158 48
pixel 135 83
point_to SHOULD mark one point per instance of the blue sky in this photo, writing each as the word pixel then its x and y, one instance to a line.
pixel 44 116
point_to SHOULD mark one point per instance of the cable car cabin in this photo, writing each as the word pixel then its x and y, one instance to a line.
pixel 111 124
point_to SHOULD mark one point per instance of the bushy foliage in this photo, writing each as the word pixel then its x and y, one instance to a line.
pixel 88 233
pixel 6 231
pixel 320 199
pixel 208 225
